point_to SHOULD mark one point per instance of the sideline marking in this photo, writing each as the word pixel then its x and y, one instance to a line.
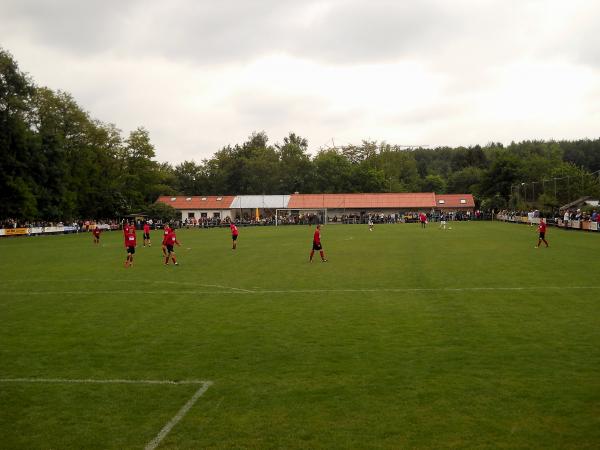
pixel 92 381
pixel 204 385
pixel 236 291
pixel 182 412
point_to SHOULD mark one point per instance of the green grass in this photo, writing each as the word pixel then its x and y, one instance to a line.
pixel 381 347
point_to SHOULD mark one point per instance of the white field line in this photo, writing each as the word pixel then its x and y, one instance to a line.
pixel 239 291
pixel 92 381
pixel 225 287
pixel 166 429
pixel 179 283
pixel 182 412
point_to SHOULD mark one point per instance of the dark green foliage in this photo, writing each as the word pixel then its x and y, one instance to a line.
pixel 58 163
pixel 160 211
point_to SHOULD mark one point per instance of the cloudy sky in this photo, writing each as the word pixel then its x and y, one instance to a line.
pixel 203 74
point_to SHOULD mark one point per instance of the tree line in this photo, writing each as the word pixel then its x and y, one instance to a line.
pixel 58 163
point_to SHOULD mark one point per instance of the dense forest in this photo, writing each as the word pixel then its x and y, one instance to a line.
pixel 58 163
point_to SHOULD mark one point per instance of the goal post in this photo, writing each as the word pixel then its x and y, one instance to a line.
pixel 321 213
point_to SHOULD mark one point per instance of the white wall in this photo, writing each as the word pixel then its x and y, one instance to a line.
pixel 209 213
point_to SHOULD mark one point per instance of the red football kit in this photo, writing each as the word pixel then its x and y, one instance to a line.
pixel 542 227
pixel 96 232
pixel 234 230
pixel 171 238
pixel 317 237
pixel 166 234
pixel 130 239
pixel 146 228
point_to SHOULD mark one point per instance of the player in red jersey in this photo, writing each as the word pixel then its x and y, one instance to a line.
pixel 422 219
pixel 171 240
pixel 147 234
pixel 126 228
pixel 166 231
pixel 542 230
pixel 130 243
pixel 96 233
pixel 317 245
pixel 234 235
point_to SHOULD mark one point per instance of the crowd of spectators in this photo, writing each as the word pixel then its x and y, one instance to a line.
pixel 16 223
pixel 570 218
pixel 246 220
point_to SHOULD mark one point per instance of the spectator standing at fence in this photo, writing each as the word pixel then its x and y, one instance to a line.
pixel 130 244
pixel 542 231
pixel 317 245
pixel 566 219
pixel 234 235
pixel 147 234
pixel 96 233
pixel 171 240
pixel 370 224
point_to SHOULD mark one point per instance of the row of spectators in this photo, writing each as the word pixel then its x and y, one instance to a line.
pixel 16 223
pixel 248 220
pixel 585 216
pixel 556 218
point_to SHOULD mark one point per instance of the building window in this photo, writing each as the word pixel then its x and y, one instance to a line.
pixel 191 215
pixel 173 199
pixel 463 201
pixel 441 202
pixel 219 199
pixel 203 199
pixel 217 215
pixel 203 215
pixel 189 199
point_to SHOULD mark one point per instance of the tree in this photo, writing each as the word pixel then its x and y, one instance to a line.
pixel 140 170
pixel 162 212
pixel 17 187
pixel 190 178
pixel 502 174
pixel 333 172
pixel 295 168
pixel 399 168
pixel 466 180
pixel 367 179
pixel 434 183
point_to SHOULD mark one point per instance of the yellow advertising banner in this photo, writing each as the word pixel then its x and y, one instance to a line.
pixel 15 231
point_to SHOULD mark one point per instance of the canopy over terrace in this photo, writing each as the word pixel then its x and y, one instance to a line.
pixel 266 205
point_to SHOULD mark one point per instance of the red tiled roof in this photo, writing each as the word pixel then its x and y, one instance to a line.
pixel 339 201
pixel 197 202
pixel 455 201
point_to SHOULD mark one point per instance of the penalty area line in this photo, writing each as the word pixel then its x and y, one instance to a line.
pixel 180 414
pixel 165 430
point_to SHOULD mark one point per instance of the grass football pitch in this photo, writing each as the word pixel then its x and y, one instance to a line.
pixel 405 338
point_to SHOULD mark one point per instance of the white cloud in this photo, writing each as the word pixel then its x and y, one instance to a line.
pixel 201 75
